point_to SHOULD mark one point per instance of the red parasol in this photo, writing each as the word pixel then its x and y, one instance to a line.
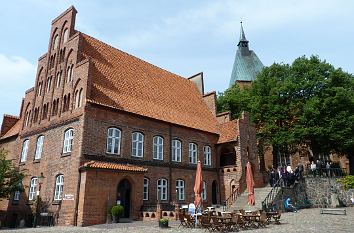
pixel 198 186
pixel 250 184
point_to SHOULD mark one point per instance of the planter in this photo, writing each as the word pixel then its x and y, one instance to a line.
pixel 163 224
pixel 115 218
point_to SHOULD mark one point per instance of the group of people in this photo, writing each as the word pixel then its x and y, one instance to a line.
pixel 321 168
pixel 288 175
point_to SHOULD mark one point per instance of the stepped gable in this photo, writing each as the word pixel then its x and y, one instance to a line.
pixel 130 84
pixel 228 131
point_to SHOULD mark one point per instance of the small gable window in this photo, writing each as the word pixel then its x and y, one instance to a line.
pixel 55 42
pixel 65 35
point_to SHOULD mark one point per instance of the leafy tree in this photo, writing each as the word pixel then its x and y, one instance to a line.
pixel 308 102
pixel 10 177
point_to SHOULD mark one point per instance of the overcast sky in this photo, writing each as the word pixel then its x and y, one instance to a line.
pixel 184 37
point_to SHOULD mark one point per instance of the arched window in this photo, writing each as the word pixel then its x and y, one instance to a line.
pixel 146 189
pixel 36 113
pixel 176 150
pixel 59 185
pixel 207 155
pixel 55 42
pixel 70 73
pixel 193 153
pixel 27 118
pixel 161 189
pixel 45 111
pixel 49 83
pixel 39 90
pixel 204 195
pixel 78 98
pixel 24 150
pixel 39 147
pixel 113 141
pixel 32 188
pixel 158 148
pixel 65 35
pixel 68 140
pixel 64 103
pixel 180 190
pixel 58 79
pixel 137 144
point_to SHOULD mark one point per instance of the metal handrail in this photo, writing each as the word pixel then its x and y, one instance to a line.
pixel 232 198
pixel 272 194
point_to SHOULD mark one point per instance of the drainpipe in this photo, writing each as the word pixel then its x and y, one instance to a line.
pixel 170 159
pixel 77 198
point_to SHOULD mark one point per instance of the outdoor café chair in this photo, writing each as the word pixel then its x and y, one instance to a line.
pixel 182 220
pixel 190 221
pixel 206 223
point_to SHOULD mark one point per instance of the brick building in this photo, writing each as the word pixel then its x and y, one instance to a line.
pixel 104 126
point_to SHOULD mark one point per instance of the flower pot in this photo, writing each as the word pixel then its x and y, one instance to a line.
pixel 115 218
pixel 163 224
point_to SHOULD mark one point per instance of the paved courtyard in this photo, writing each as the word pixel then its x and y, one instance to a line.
pixel 307 220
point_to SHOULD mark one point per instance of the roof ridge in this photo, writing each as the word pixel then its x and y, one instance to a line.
pixel 178 76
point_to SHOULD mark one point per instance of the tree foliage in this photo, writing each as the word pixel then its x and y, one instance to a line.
pixel 308 102
pixel 10 177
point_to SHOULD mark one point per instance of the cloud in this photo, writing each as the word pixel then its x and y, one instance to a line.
pixel 16 76
pixel 222 18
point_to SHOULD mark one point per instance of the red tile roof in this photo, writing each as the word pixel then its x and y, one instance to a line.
pixel 13 131
pixel 228 131
pixel 113 166
pixel 127 83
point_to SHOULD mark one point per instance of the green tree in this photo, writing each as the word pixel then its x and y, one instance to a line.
pixel 10 177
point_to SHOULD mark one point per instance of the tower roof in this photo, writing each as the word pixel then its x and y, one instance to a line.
pixel 246 64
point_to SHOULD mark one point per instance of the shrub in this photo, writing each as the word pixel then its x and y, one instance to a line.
pixel 117 210
pixel 347 181
pixel 163 220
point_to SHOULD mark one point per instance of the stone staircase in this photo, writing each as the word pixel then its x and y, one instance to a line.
pixel 259 195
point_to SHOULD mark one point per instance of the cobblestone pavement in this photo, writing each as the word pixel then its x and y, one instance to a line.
pixel 307 220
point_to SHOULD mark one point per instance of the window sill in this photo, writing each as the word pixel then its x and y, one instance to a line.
pixel 65 154
pixel 159 160
pixel 31 202
pixel 56 202
pixel 136 157
pixel 22 163
pixel 37 161
pixel 175 161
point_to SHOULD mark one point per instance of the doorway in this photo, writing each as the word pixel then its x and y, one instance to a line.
pixel 214 191
pixel 123 196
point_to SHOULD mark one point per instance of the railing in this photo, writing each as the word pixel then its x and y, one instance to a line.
pixel 326 172
pixel 267 204
pixel 231 199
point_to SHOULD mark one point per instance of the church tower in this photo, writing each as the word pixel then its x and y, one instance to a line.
pixel 246 65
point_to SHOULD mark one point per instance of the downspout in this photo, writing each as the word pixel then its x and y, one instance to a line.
pixel 170 160
pixel 77 198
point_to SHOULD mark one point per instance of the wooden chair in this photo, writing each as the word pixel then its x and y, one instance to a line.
pixel 262 222
pixel 216 225
pixel 182 220
pixel 190 221
pixel 205 223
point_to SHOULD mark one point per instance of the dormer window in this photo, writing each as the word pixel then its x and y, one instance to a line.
pixel 56 42
pixel 65 35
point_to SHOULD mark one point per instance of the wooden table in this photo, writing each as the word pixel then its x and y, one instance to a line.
pixel 275 215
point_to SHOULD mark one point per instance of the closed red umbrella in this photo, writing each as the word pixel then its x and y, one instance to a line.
pixel 250 183
pixel 198 186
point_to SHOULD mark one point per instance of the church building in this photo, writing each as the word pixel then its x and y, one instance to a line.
pixel 101 127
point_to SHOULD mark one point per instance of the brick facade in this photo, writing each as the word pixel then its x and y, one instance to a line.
pixel 48 111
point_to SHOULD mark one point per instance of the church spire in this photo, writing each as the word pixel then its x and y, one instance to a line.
pixel 243 41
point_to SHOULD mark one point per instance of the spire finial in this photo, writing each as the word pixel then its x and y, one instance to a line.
pixel 242 34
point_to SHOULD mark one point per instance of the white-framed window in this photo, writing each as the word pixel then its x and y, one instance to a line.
pixel 59 185
pixel 180 190
pixel 207 155
pixel 33 188
pixel 204 196
pixel 78 98
pixel 137 144
pixel 158 148
pixel 113 141
pixel 17 195
pixel 162 189
pixel 146 189
pixel 176 150
pixel 24 150
pixel 58 79
pixel 56 42
pixel 65 35
pixel 49 83
pixel 39 147
pixel 68 140
pixel 193 153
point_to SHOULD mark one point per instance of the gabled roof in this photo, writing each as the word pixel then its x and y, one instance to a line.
pixel 228 131
pixel 130 84
pixel 13 131
pixel 113 166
